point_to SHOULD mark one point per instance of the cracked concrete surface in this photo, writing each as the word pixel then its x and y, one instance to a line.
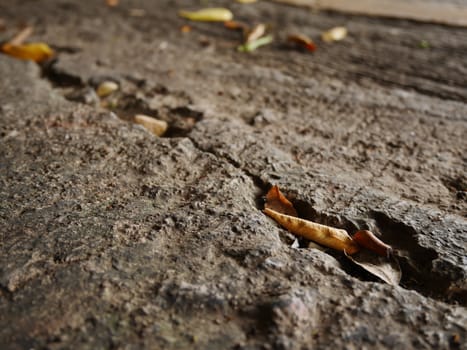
pixel 114 238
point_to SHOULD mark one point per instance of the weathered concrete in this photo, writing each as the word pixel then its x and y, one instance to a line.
pixel 113 238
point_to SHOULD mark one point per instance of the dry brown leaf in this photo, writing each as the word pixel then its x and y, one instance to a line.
pixel 279 208
pixel 276 201
pixel 303 41
pixel 386 269
pixel 324 235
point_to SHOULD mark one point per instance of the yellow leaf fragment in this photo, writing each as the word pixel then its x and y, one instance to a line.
pixel 106 88
pixel 155 126
pixel 112 3
pixel 21 36
pixel 254 34
pixel 334 34
pixel 214 14
pixel 246 1
pixel 38 52
pixel 328 236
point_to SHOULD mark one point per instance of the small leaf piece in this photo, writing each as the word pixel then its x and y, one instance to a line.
pixel 37 52
pixel 106 88
pixel 303 41
pixel 334 34
pixel 214 14
pixel 255 33
pixel 325 235
pixel 369 241
pixel 388 270
pixel 276 201
pixel 156 126
pixel 235 25
pixel 252 46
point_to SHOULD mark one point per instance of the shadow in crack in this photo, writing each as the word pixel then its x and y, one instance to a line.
pixel 418 272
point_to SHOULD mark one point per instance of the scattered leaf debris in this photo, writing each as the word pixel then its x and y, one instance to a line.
pixel 255 33
pixel 21 36
pixel 185 29
pixel 112 3
pixel 303 41
pixel 156 126
pixel 424 44
pixel 236 25
pixel 253 45
pixel 37 52
pixel 106 88
pixel 214 14
pixel 334 34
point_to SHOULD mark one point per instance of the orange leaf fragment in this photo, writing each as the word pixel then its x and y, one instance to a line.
pixel 276 201
pixel 369 241
pixel 185 29
pixel 112 3
pixel 303 41
pixel 236 25
pixel 38 52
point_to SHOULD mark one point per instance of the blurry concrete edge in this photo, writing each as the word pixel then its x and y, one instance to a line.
pixel 450 12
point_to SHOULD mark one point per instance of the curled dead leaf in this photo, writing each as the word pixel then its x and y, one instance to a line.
pixel 303 41
pixel 386 269
pixel 279 208
pixel 328 236
pixel 236 25
pixel 276 201
pixel 369 241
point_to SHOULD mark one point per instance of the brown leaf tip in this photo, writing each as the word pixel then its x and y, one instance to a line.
pixel 276 201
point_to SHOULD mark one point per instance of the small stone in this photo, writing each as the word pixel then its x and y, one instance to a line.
pixel 106 88
pixel 156 126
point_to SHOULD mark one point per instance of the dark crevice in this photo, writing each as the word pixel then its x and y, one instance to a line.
pixel 418 272
pixel 182 120
pixel 60 78
pixel 6 293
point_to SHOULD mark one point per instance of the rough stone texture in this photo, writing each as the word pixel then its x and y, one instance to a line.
pixel 113 238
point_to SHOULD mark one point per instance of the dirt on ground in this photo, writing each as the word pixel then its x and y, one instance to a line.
pixel 112 237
